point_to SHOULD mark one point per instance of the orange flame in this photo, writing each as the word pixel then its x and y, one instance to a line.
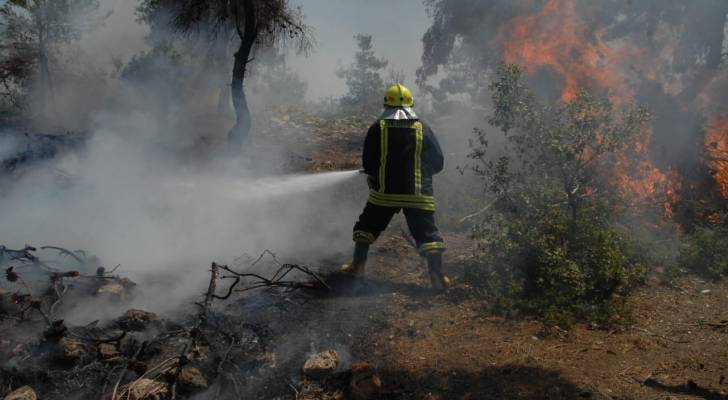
pixel 672 191
pixel 638 179
pixel 716 143
pixel 644 184
pixel 559 38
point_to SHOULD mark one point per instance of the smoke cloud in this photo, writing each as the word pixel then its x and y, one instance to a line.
pixel 151 190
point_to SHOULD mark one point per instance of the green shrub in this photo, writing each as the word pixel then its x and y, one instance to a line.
pixel 548 244
pixel 706 250
pixel 555 269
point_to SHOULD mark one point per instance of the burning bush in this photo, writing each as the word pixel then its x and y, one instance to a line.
pixel 548 243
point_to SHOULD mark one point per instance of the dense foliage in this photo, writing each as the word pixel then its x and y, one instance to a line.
pixel 548 242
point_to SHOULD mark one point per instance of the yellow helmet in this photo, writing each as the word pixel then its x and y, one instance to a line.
pixel 398 96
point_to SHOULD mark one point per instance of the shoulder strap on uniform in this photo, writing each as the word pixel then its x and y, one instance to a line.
pixel 419 139
pixel 384 139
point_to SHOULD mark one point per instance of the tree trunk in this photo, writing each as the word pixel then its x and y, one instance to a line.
pixel 248 36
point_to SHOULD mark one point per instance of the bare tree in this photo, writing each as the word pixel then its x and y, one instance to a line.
pixel 256 23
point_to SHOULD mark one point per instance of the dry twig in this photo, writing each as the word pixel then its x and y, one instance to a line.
pixel 259 281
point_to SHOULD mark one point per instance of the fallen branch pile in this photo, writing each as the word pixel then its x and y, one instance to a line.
pixel 137 355
pixel 46 299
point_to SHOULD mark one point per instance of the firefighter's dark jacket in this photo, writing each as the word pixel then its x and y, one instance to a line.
pixel 400 157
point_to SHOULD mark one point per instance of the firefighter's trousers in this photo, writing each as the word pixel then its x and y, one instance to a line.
pixel 374 219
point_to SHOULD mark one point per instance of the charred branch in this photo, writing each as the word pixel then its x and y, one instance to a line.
pixel 209 295
pixel 277 280
pixel 67 252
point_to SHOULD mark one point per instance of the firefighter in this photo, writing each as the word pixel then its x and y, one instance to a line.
pixel 401 154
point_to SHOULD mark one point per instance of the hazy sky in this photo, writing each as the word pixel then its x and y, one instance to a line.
pixel 397 27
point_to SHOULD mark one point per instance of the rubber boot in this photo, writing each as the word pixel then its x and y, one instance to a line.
pixel 438 280
pixel 356 268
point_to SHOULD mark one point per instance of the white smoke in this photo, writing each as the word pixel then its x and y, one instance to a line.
pixel 128 206
pixel 9 146
pixel 142 193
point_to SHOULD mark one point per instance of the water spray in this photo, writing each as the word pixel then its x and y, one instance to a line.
pixel 288 184
pixel 267 187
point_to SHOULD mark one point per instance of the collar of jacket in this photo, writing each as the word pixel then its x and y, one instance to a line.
pixel 398 113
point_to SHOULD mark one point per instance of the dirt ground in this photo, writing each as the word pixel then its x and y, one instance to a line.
pixel 450 348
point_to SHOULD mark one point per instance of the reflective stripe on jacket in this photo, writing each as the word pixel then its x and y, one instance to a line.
pixel 401 156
